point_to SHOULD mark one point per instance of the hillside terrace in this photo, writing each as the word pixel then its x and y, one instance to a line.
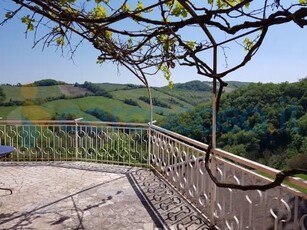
pixel 99 175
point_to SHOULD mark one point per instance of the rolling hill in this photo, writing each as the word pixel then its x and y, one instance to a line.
pixel 124 102
pixel 263 122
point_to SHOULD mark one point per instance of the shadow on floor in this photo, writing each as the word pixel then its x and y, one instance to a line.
pixel 166 207
pixel 24 220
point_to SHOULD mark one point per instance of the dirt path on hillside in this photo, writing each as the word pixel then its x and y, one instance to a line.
pixel 70 90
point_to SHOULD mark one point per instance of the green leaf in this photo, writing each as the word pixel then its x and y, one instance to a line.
pixel 28 21
pixel 60 41
pixel 167 74
pixel 108 34
pixel 191 44
pixel 222 4
pixel 126 7
pixel 248 44
pixel 9 15
pixel 98 12
pixel 178 10
pixel 170 84
pixel 139 6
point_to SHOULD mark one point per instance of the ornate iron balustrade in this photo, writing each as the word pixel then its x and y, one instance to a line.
pixel 177 158
pixel 180 161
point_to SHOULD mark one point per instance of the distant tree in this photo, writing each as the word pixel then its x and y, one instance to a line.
pixel 64 116
pixel 302 125
pixel 96 90
pixel 194 85
pixel 258 121
pixel 132 86
pixel 131 102
pixel 298 161
pixel 102 115
pixel 48 82
pixel 2 95
pixel 155 101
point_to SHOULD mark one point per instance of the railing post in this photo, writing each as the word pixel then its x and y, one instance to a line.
pixel 149 140
pixel 4 131
pixel 76 136
pixel 149 144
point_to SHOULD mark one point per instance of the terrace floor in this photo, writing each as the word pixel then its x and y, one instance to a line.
pixel 80 195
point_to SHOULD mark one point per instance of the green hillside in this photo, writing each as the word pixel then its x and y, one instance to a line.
pixel 49 99
pixel 16 93
pixel 114 87
pixel 262 122
pixel 197 92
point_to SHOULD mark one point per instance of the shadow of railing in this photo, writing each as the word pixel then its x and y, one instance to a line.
pixel 166 207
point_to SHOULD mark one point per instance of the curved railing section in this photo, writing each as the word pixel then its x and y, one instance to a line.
pixel 180 161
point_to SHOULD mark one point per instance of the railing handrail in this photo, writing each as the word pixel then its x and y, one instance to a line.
pixel 260 168
pixel 182 138
pixel 72 122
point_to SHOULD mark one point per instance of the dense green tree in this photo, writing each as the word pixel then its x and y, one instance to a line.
pixel 263 122
pixel 302 125
pixel 103 115
pixel 64 116
pixel 96 90
pixel 2 95
pixel 131 102
pixel 48 82
pixel 299 161
pixel 194 85
pixel 155 102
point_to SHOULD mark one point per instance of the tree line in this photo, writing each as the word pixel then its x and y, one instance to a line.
pixel 263 122
pixel 95 89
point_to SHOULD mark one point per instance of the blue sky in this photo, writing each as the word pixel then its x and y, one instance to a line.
pixel 281 58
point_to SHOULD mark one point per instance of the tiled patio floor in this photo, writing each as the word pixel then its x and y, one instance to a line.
pixel 79 195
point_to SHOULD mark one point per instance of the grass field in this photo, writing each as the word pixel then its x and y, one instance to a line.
pixel 177 101
pixel 22 93
pixel 193 97
pixel 109 87
pixel 78 107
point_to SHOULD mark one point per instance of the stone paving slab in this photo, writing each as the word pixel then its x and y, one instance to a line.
pixel 79 195
pixel 66 196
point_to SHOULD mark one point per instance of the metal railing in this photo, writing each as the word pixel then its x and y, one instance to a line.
pixel 180 161
pixel 177 158
pixel 107 142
